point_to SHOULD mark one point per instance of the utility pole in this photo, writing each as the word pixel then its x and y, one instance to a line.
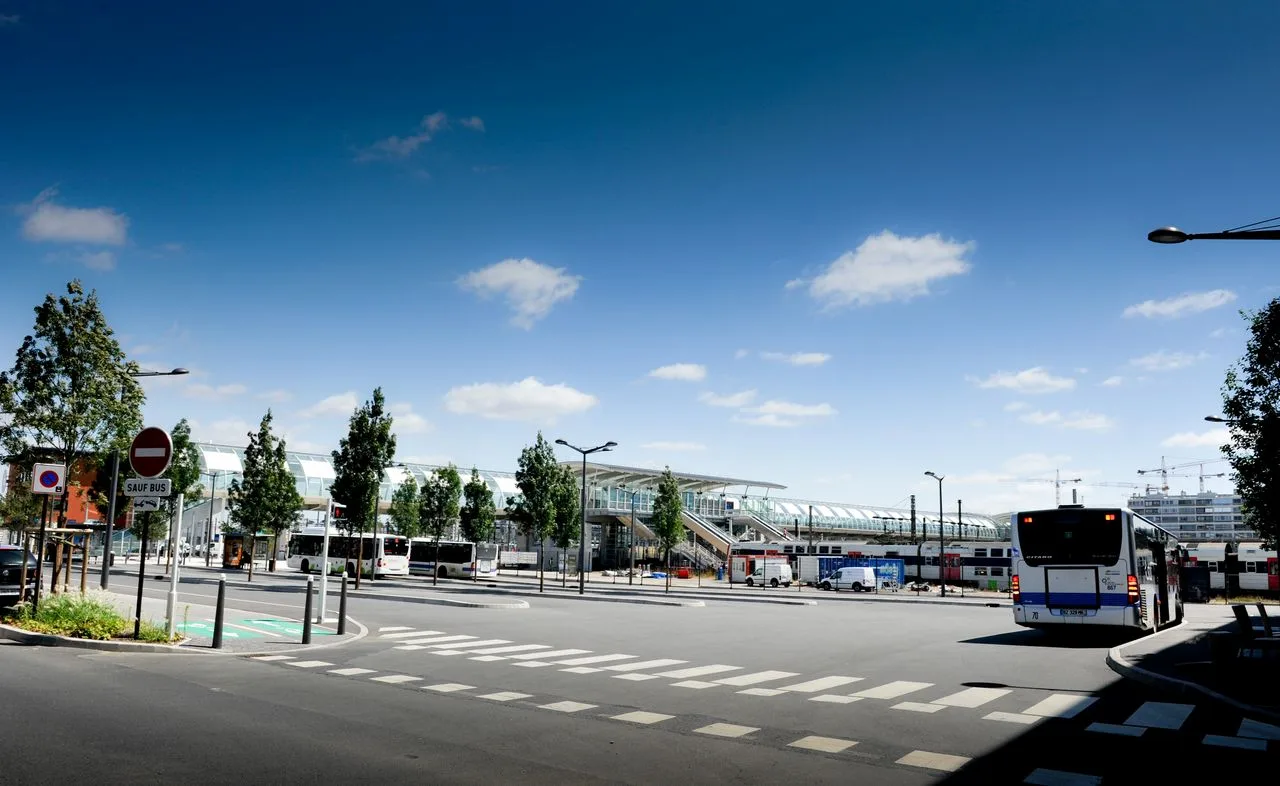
pixel 919 549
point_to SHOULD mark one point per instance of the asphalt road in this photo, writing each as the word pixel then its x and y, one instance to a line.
pixel 867 691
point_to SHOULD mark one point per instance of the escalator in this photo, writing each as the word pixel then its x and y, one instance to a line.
pixel 713 535
pixel 770 531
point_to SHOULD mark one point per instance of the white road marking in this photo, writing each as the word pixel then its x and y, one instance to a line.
pixel 726 730
pixel 694 684
pixel 1244 743
pixel 350 672
pixel 448 652
pixel 1060 705
pixel 487 658
pixel 512 648
pixel 698 671
pixel 834 698
pixel 821 684
pixel 396 679
pixel 506 695
pixel 646 664
pixel 409 647
pixel 393 628
pixel 581 670
pixel 466 645
pixel 411 634
pixel 1258 730
pixel 552 654
pixel 973 697
pixel 761 692
pixel 892 690
pixel 1114 728
pixel 309 664
pixel 635 677
pixel 743 680
pixel 254 630
pixel 273 657
pixel 567 706
pixel 1043 777
pixel 823 744
pixel 1012 717
pixel 1160 715
pixel 934 761
pixel 438 639
pixel 592 659
pixel 448 687
pixel 643 717
pixel 534 664
pixel 913 706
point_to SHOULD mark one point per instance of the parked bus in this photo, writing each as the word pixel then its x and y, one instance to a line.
pixel 1074 565
pixel 458 559
pixel 389 552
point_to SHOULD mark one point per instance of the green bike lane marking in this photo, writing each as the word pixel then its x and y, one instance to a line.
pixel 287 627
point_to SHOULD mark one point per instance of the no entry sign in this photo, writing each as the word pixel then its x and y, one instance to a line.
pixel 151 452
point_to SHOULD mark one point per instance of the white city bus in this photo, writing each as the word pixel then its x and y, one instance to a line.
pixel 457 559
pixel 389 552
pixel 1093 566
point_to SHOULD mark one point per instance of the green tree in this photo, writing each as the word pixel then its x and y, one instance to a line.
pixel 404 508
pixel 478 511
pixel 19 508
pixel 265 497
pixel 69 395
pixel 1251 401
pixel 568 526
pixel 359 462
pixel 534 509
pixel 666 522
pixel 184 478
pixel 438 508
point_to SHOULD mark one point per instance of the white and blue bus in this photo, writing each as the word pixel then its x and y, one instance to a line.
pixel 1074 565
pixel 390 553
pixel 458 559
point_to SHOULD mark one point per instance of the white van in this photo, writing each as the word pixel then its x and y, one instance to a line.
pixel 856 579
pixel 774 572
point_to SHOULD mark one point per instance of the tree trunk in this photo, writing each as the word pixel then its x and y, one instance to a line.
pixel 360 559
pixel 435 563
pixel 668 571
pixel 275 546
pixel 252 546
pixel 541 567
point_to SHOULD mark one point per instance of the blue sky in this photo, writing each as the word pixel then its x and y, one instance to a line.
pixel 879 239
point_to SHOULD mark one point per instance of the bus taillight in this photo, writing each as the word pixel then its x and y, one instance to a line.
pixel 1134 594
pixel 1013 586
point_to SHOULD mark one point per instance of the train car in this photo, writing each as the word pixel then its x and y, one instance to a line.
pixel 1212 556
pixel 984 564
pixel 1259 570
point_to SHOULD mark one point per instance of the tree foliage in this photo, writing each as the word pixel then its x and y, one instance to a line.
pixel 477 514
pixel 534 509
pixel 568 508
pixel 438 508
pixel 360 460
pixel 19 508
pixel 404 508
pixel 1251 400
pixel 265 497
pixel 69 393
pixel 666 522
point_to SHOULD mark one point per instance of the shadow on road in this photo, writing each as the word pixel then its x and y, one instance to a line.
pixel 1073 639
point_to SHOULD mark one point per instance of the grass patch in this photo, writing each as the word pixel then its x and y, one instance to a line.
pixel 87 616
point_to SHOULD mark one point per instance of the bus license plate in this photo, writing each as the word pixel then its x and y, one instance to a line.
pixel 1074 612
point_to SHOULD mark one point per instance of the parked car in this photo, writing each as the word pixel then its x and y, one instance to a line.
pixel 774 573
pixel 856 579
pixel 11 574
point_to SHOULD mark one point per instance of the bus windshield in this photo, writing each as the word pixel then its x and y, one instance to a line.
pixel 1070 537
pixel 394 546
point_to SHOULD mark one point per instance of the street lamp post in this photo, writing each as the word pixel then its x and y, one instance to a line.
pixel 631 549
pixel 582 536
pixel 208 538
pixel 1216 419
pixel 942 581
pixel 1172 235
pixel 115 481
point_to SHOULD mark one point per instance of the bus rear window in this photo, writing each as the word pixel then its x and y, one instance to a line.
pixel 395 547
pixel 1070 537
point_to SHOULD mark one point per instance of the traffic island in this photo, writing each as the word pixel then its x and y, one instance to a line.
pixel 84 620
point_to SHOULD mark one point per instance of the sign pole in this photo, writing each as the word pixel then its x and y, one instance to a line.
pixel 175 531
pixel 324 563
pixel 142 574
pixel 44 515
pixel 111 518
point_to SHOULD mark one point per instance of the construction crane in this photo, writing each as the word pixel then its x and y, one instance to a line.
pixel 1056 480
pixel 1166 472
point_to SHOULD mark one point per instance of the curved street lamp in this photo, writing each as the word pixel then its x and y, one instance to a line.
pixel 1173 235
pixel 942 582
pixel 582 537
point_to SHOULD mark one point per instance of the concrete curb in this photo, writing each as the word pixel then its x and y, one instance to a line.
pixel 1122 666
pixel 111 645
pixel 561 595
pixel 364 631
pixel 437 601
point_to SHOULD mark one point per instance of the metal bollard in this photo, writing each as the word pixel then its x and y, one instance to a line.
pixel 306 615
pixel 218 613
pixel 342 607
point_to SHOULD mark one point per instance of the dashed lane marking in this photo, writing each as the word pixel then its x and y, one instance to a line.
pixel 635 677
pixel 835 698
pixel 742 680
pixel 915 706
pixel 592 659
pixel 698 671
pixel 552 654
pixel 1043 777
pixel 510 649
pixel 534 664
pixel 944 762
pixel 823 744
pixel 1117 729
pixel 1060 705
pixel 352 672
pixel 730 730
pixel 393 628
pixel 466 645
pixel 820 684
pixel 439 639
pixel 1160 715
pixel 892 690
pixel 567 706
pixel 643 717
pixel 396 679
pixel 448 687
pixel 310 664
pixel 1012 717
pixel 273 657
pixel 645 664
pixel 761 692
pixel 487 658
pixel 972 697
pixel 581 670
pixel 506 695
pixel 1258 730
pixel 1243 743
pixel 694 684
pixel 409 634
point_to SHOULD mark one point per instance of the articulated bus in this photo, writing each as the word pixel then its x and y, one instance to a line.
pixel 458 559
pixel 1094 566
pixel 389 552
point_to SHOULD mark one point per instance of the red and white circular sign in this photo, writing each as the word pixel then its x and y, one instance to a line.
pixel 151 452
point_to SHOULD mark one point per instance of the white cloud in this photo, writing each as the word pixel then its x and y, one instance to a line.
pixel 1035 463
pixel 395 148
pixel 735 400
pixel 99 260
pixel 527 400
pixel 337 404
pixel 673 447
pixel 531 288
pixel 791 409
pixel 1039 418
pixel 1016 406
pixel 228 431
pixel 473 122
pixel 1221 332
pixel 798 358
pixel 1214 438
pixel 886 267
pixel 686 372
pixel 1082 371
pixel 47 221
pixel 1088 421
pixel 276 396
pixel 407 421
pixel 1167 361
pixel 1182 305
pixel 740 354
pixel 1113 382
pixel 201 390
pixel 1031 380
pixel 769 419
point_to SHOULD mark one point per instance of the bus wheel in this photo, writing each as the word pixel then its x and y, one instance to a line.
pixel 442 572
pixel 306 566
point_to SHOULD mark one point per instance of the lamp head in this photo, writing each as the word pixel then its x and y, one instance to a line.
pixel 562 442
pixel 608 445
pixel 1167 236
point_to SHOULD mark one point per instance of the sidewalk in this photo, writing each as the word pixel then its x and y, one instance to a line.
pixel 1179 658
